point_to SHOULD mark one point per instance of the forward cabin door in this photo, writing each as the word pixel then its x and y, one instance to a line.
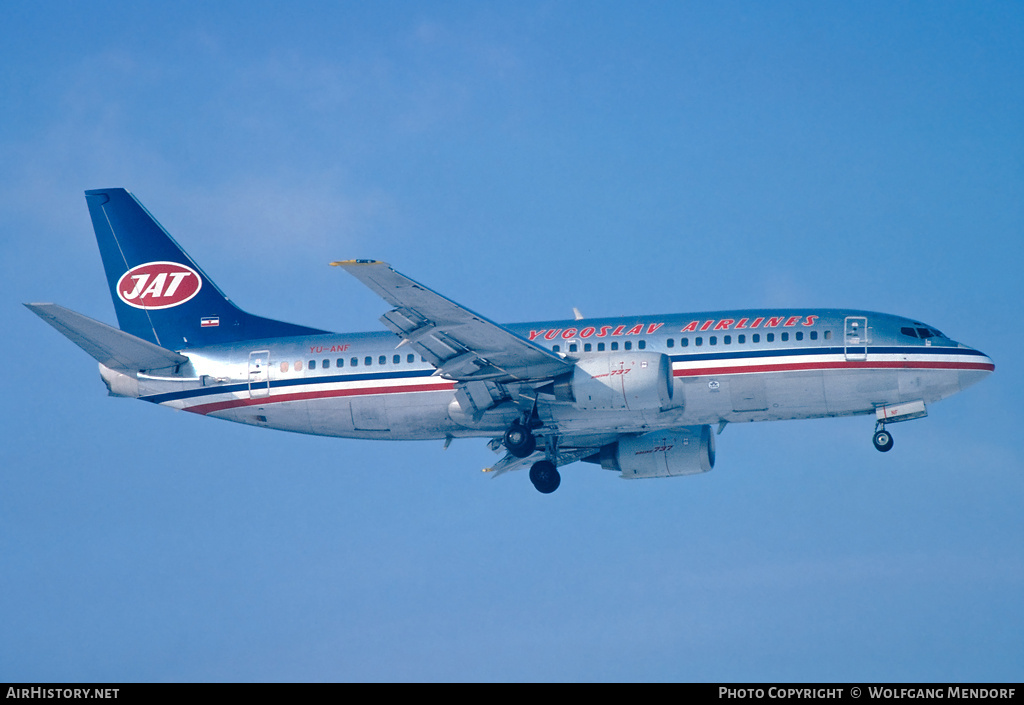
pixel 259 374
pixel 856 338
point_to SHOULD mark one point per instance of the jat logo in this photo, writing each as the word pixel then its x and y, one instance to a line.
pixel 158 285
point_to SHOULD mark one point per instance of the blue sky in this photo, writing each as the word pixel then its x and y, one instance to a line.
pixel 522 159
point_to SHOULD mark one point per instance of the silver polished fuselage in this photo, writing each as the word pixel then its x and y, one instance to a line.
pixel 732 366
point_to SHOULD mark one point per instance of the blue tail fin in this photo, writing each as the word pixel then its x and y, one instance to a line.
pixel 159 293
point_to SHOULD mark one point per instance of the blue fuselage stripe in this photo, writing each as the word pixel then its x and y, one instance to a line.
pixel 284 383
pixel 835 350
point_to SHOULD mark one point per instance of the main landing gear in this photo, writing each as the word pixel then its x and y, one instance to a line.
pixel 544 476
pixel 882 439
pixel 520 442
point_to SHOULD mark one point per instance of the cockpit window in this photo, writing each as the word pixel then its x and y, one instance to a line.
pixel 923 333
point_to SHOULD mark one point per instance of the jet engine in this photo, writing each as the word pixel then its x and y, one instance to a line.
pixel 678 451
pixel 628 380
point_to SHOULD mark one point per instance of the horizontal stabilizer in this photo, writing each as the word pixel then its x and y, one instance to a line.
pixel 112 347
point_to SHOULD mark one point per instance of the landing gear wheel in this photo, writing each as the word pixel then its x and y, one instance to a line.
pixel 544 476
pixel 883 441
pixel 519 441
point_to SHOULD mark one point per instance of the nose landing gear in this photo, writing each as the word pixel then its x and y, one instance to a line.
pixel 882 439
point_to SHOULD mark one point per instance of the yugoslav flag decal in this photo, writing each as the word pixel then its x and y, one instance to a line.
pixel 158 285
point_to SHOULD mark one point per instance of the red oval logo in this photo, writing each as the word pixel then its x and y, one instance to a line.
pixel 158 285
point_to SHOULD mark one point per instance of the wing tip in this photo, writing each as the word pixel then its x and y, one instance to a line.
pixel 353 262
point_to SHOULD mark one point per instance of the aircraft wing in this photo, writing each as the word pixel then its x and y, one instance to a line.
pixel 463 345
pixel 562 457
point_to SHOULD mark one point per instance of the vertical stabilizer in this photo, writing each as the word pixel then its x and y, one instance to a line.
pixel 160 294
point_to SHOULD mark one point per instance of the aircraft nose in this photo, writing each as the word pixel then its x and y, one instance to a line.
pixel 978 367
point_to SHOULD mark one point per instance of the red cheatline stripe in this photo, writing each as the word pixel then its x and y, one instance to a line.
pixel 324 394
pixel 845 365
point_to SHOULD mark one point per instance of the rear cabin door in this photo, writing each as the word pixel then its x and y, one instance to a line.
pixel 259 374
pixel 856 338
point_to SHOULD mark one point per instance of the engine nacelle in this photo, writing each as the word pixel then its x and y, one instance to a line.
pixel 629 380
pixel 679 451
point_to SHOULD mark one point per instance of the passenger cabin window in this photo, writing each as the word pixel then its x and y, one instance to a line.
pixel 284 366
pixel 572 347
pixel 642 345
pixel 684 342
pixel 814 335
pixel 828 335
pixel 326 364
pixel 615 346
pixel 312 364
pixel 354 362
pixel 396 359
pixel 769 338
pixel 340 362
pixel 755 338
pixel 600 347
pixel 699 341
pixel 785 337
pixel 727 340
pixel 587 347
pixel 382 360
pixel 799 335
pixel 741 339
pixel 410 359
pixel 367 360
pixel 670 343
pixel 628 345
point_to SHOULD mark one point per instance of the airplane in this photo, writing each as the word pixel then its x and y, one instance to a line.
pixel 636 395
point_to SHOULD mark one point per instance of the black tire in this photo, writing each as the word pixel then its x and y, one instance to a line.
pixel 883 441
pixel 519 441
pixel 544 476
